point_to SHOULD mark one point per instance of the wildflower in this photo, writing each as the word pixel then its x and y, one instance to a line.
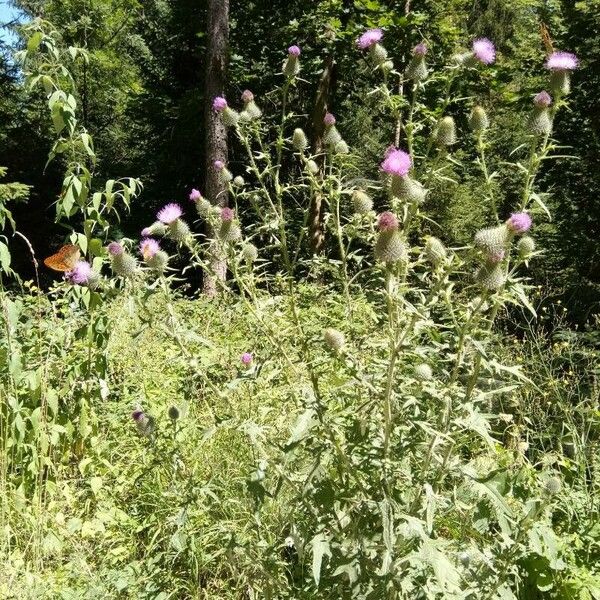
pixel 491 276
pixel 423 372
pixel 560 64
pixel 519 222
pixel 169 213
pixel 227 214
pixel 329 120
pixel 291 66
pixel 435 251
pixel 219 104
pixel 526 246
pixel 299 140
pixel 484 51
pixel 225 175
pixel 369 38
pixel 173 413
pixel 361 202
pixel 332 136
pixel 195 195
pixel 246 358
pixel 389 247
pixel 157 228
pixel 312 166
pixel 497 256
pixel 158 261
pixel 144 422
pixel 540 120
pixel 417 69
pixel 251 110
pixel 114 249
pixel 493 239
pixel 203 207
pixel 446 132
pixel 148 248
pixel 334 339
pixel 553 486
pixel 81 273
pixel 396 162
pixel 238 181
pixel 387 221
pixel 229 230
pixel 250 252
pixel 408 189
pixel 478 120
pixel 122 263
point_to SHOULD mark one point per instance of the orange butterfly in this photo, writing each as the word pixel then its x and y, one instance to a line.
pixel 65 259
pixel 546 39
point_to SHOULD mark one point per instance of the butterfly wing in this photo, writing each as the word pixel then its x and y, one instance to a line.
pixel 65 259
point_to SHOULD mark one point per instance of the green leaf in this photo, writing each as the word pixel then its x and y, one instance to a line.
pixel 320 548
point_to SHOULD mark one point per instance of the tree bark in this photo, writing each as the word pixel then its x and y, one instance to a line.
pixel 217 53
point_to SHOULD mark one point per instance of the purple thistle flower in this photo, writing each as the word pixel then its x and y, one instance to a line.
pixel 149 247
pixel 542 100
pixel 81 273
pixel 246 358
pixel 387 220
pixel 227 214
pixel 114 249
pixel 329 119
pixel 420 49
pixel 562 61
pixel 146 231
pixel 519 222
pixel 247 96
pixel 484 51
pixel 194 195
pixel 219 104
pixel 369 38
pixel 294 51
pixel 219 165
pixel 396 162
pixel 169 213
pixel 137 415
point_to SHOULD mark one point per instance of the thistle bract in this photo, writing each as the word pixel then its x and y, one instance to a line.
pixel 390 247
pixel 250 252
pixel 493 239
pixel 491 276
pixel 423 372
pixel 159 261
pixel 526 246
pixel 478 120
pixel 408 189
pixel 179 231
pixel 123 264
pixel 435 251
pixel 446 132
pixel 361 202
pixel 334 339
pixel 299 140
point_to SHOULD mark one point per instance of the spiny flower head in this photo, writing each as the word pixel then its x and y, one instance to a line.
pixel 81 273
pixel 369 38
pixel 219 165
pixel 519 222
pixel 169 213
pixel 294 50
pixel 420 49
pixel 219 104
pixel 247 96
pixel 114 249
pixel 542 100
pixel 149 247
pixel 329 119
pixel 396 162
pixel 137 415
pixel 195 195
pixel 484 51
pixel 227 214
pixel 246 358
pixel 387 221
pixel 562 61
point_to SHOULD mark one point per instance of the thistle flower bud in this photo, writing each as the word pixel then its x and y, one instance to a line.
pixel 406 188
pixel 329 120
pixel 491 276
pixel 312 166
pixel 238 181
pixel 123 264
pixel 225 175
pixel 540 120
pixel 446 132
pixel 203 207
pixel 173 413
pixel 377 55
pixel 229 230
pixel 435 251
pixel 390 247
pixel 387 66
pixel 179 231
pixel 299 140
pixel 157 228
pixel 361 202
pixel 478 120
pixel 334 339
pixel 341 148
pixel 250 252
pixel 423 372
pixel 417 68
pixel 159 261
pixel 251 110
pixel 553 485
pixel 526 246
pixel 291 67
pixel 493 239
pixel 230 117
pixel 332 136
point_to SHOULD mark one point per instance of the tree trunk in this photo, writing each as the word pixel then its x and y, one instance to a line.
pixel 217 52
